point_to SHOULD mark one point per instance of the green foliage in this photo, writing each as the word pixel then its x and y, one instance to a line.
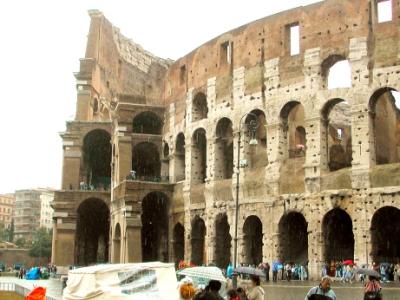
pixel 6 234
pixel 41 244
pixel 21 242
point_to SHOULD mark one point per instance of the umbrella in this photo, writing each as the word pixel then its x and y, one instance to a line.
pixel 249 271
pixel 207 273
pixel 348 262
pixel 368 272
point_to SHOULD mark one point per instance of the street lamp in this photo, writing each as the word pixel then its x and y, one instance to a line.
pixel 252 127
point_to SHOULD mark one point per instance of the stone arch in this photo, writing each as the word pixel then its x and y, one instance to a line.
pixel 92 232
pixel 180 157
pixel 199 156
pixel 155 208
pixel 293 238
pixel 386 126
pixel 256 155
pixel 197 241
pixel 199 107
pixel 385 235
pixel 253 240
pixel 223 150
pixel 178 241
pixel 337 230
pixel 146 161
pixel 337 123
pixel 222 241
pixel 336 72
pixel 117 244
pixel 96 168
pixel 147 122
pixel 292 117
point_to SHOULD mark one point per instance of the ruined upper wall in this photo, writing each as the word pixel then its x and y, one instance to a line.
pixel 118 69
pixel 328 25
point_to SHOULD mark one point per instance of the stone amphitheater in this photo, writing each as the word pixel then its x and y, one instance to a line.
pixel 158 148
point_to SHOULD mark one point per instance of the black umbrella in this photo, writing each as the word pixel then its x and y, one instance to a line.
pixel 368 272
pixel 249 271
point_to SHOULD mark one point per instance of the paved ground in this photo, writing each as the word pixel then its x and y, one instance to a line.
pixel 282 290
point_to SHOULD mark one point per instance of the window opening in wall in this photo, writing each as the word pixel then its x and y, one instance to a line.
pixel 384 11
pixel 339 133
pixel 182 74
pixel 226 53
pixel 294 39
pixel 339 75
pixel 396 96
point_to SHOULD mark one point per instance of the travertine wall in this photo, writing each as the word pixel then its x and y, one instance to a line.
pixel 250 69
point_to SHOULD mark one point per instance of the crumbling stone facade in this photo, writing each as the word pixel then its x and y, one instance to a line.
pixel 321 184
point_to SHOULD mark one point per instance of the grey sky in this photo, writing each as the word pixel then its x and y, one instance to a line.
pixel 41 43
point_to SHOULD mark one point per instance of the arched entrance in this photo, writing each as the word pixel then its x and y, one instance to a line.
pixel 197 240
pixel 147 123
pixel 256 155
pixel 199 107
pixel 155 208
pixel 385 235
pixel 252 238
pixel 92 231
pixel 199 156
pixel 180 164
pixel 96 172
pixel 222 241
pixel 293 238
pixel 224 149
pixel 146 161
pixel 337 122
pixel 179 242
pixel 337 229
pixel 117 244
pixel 386 124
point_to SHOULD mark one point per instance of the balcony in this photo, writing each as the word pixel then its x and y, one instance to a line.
pixel 96 184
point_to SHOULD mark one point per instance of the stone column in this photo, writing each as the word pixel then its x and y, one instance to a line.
pixel 276 151
pixel 63 252
pixel 315 249
pixel 133 242
pixel 71 164
pixel 123 155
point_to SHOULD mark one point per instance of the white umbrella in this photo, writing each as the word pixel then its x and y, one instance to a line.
pixel 207 273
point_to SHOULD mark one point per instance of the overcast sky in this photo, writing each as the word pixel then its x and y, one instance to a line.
pixel 41 43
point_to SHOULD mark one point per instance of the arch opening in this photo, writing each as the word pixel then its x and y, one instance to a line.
pixel 222 241
pixel 385 235
pixel 337 121
pixel 199 107
pixel 292 116
pixel 198 241
pixel 92 232
pixel 155 227
pixel 256 155
pixel 386 124
pixel 178 245
pixel 252 237
pixel 337 229
pixel 224 150
pixel 147 123
pixel 117 244
pixel 293 238
pixel 199 156
pixel 96 172
pixel 180 157
pixel 146 161
pixel 336 71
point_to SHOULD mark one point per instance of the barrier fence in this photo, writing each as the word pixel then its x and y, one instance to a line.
pixel 18 289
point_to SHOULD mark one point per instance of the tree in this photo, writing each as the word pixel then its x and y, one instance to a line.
pixel 20 242
pixel 41 244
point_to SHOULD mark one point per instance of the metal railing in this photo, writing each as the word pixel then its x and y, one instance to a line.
pixel 18 289
pixel 161 179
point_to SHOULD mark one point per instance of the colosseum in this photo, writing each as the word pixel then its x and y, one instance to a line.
pixel 159 150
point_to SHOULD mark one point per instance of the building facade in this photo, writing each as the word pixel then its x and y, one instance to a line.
pixel 150 161
pixel 32 211
pixel 6 209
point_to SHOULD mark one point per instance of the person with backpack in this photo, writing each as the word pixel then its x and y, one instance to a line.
pixel 373 289
pixel 323 289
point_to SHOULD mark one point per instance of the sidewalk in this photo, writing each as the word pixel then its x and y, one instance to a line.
pixel 53 286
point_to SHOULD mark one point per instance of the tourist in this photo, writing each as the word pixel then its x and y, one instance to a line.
pixel 373 289
pixel 205 295
pixel 266 271
pixel 397 272
pixel 241 293
pixel 229 271
pixel 186 289
pixel 274 272
pixel 256 292
pixel 288 270
pixel 232 295
pixel 324 289
pixel 213 287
